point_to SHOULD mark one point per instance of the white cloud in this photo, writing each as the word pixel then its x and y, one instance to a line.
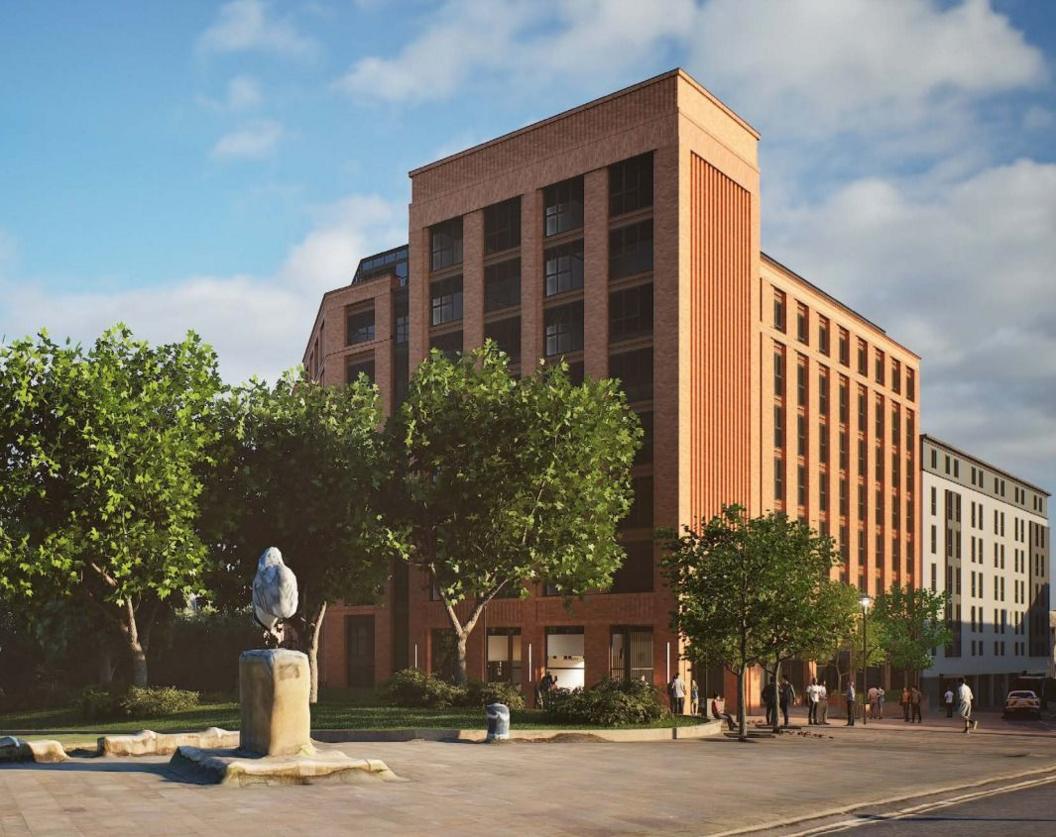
pixel 249 25
pixel 252 142
pixel 242 92
pixel 258 324
pixel 820 66
pixel 961 272
pixel 531 43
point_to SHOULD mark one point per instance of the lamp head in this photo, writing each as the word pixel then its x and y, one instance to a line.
pixel 865 602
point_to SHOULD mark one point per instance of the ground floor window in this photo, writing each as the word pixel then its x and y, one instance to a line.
pixel 564 656
pixel 444 652
pixel 631 654
pixel 504 655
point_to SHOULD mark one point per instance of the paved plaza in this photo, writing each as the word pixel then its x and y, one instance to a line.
pixel 696 787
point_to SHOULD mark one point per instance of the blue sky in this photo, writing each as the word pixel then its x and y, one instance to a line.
pixel 217 166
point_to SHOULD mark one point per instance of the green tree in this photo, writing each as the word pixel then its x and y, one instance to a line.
pixel 99 494
pixel 842 640
pixel 300 466
pixel 912 623
pixel 505 481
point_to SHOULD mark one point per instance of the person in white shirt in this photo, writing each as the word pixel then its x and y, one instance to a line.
pixel 948 700
pixel 812 701
pixel 677 690
pixel 964 708
pixel 823 704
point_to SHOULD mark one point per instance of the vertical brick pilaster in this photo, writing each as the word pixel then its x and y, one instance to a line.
pixel 473 280
pixel 418 292
pixel 531 280
pixel 383 361
pixel 596 273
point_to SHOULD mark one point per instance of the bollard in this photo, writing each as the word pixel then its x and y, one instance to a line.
pixel 498 715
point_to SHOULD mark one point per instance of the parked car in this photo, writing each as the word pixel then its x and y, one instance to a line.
pixel 1022 701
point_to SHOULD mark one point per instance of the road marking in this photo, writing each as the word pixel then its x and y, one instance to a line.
pixel 858 822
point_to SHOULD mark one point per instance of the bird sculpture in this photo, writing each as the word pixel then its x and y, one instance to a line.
pixel 274 595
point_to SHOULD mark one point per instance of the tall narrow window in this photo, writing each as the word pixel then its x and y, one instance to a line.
pixel 863 358
pixel 845 347
pixel 563 206
pixel 801 381
pixel 446 300
pixel 446 243
pixel 823 335
pixel 631 249
pixel 631 313
pixel 802 323
pixel 502 285
pixel 878 365
pixel 502 226
pixel 563 268
pixel 564 329
pixel 631 185
pixel 823 391
pixel 896 376
pixel 634 370
pixel 779 310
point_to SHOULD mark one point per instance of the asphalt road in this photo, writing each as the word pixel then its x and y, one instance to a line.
pixel 1028 811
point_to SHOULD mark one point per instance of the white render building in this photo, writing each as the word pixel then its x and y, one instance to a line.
pixel 985 539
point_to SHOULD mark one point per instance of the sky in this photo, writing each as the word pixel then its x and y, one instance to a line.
pixel 218 166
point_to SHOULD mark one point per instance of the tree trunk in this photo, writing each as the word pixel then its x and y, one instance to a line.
pixel 314 631
pixel 136 645
pixel 777 696
pixel 463 641
pixel 742 712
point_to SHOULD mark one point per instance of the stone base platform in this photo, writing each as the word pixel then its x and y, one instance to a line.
pixel 235 767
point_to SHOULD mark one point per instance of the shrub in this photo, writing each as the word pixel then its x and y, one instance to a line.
pixel 95 704
pixel 479 693
pixel 414 688
pixel 611 703
pixel 140 702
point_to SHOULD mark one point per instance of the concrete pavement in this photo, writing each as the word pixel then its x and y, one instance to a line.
pixel 709 786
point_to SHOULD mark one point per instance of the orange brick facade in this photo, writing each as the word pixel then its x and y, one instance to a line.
pixel 702 375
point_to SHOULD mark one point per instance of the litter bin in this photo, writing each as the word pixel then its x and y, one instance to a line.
pixel 498 715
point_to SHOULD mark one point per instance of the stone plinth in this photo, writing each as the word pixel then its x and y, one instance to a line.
pixel 150 743
pixel 229 767
pixel 273 690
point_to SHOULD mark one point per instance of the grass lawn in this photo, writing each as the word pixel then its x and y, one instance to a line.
pixel 334 711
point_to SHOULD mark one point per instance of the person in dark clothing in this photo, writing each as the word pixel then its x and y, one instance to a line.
pixel 915 698
pixel 770 701
pixel 719 713
pixel 788 696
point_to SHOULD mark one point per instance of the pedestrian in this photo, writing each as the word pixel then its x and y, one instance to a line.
pixel 907 698
pixel 677 690
pixel 770 701
pixel 915 697
pixel 823 704
pixel 850 703
pixel 546 683
pixel 948 700
pixel 812 701
pixel 880 695
pixel 872 697
pixel 788 697
pixel 964 707
pixel 719 713
pixel 694 697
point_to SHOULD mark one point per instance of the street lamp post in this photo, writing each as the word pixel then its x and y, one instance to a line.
pixel 865 602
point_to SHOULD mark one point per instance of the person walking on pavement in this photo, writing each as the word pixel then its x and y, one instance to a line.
pixel 907 697
pixel 678 694
pixel 964 705
pixel 873 698
pixel 788 696
pixel 770 701
pixel 915 697
pixel 948 700
pixel 880 695
pixel 694 697
pixel 812 701
pixel 823 704
pixel 850 703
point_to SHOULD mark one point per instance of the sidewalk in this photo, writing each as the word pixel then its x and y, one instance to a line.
pixel 990 723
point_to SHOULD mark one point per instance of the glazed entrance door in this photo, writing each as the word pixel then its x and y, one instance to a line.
pixel 359 647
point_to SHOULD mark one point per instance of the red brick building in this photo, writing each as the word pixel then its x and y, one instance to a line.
pixel 623 235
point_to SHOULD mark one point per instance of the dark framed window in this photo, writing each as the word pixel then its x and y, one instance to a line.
pixel 563 268
pixel 354 367
pixel 450 343
pixel 446 300
pixel 802 324
pixel 823 443
pixel 446 243
pixel 631 184
pixel 401 321
pixel 502 226
pixel 801 381
pixel 631 313
pixel 911 384
pixel 779 426
pixel 631 653
pixel 635 575
pixel 631 249
pixel 801 435
pixel 823 335
pixel 779 310
pixel 779 370
pixel 845 347
pixel 563 206
pixel 896 376
pixel 504 655
pixel 863 358
pixel 359 326
pixel 635 373
pixel 507 335
pixel 823 391
pixel 563 329
pixel 879 365
pixel 502 285
pixel 575 373
pixel 779 479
